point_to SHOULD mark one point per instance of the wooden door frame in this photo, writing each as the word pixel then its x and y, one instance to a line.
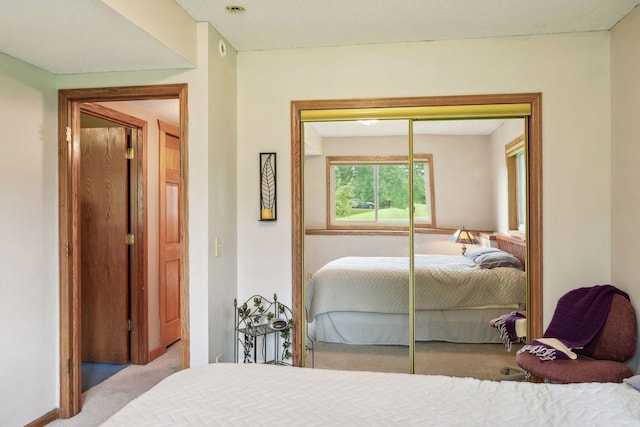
pixel 534 192
pixel 69 106
pixel 138 277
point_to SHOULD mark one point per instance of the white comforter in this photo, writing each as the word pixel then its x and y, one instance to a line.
pixel 268 395
pixel 380 285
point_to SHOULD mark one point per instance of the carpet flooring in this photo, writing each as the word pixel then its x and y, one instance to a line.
pixel 105 399
pixel 94 373
pixel 481 361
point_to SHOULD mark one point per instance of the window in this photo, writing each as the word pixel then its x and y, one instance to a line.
pixel 373 192
pixel 517 183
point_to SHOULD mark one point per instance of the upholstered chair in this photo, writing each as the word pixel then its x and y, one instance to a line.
pixel 601 360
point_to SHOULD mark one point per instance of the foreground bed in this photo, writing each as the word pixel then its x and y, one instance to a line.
pixel 252 394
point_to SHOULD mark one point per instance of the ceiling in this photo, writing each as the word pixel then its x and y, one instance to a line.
pixel 80 36
pixel 283 24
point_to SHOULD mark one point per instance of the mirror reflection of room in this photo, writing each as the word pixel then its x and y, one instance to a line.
pixel 467 175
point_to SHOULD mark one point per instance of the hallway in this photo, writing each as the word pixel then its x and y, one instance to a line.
pixel 106 398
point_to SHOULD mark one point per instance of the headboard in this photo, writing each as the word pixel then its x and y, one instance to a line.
pixel 513 245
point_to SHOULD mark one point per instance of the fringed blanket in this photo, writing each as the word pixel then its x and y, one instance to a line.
pixel 579 316
pixel 509 328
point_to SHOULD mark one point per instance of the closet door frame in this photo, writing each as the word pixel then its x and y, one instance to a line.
pixel 484 106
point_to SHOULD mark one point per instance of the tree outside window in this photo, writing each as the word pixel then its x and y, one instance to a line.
pixel 374 192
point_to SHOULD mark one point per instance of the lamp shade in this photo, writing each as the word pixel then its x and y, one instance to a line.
pixel 463 236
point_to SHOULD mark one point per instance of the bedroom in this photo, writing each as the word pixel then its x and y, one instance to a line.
pixel 590 95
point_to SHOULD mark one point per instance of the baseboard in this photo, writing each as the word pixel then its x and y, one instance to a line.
pixel 47 418
pixel 157 352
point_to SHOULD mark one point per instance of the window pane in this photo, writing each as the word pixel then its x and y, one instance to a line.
pixel 393 192
pixel 421 192
pixel 354 192
pixel 377 194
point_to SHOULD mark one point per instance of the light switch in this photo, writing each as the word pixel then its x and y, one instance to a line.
pixel 218 249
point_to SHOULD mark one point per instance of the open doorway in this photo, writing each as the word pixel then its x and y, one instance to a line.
pixel 71 103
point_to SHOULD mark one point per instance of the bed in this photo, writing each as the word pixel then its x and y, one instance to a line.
pixel 364 300
pixel 226 394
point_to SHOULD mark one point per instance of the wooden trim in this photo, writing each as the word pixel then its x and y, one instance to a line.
pixel 514 147
pixel 533 124
pixel 157 352
pixel 47 418
pixel 139 297
pixel 512 193
pixel 298 337
pixel 68 160
pixel 514 246
pixel 487 235
pixel 68 167
pixel 534 217
pixel 112 115
pixel 169 128
pixel 139 337
pixel 377 160
pixel 511 149
pixel 387 232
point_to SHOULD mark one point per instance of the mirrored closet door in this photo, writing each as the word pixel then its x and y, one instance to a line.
pixel 357 247
pixel 457 290
pixel 397 205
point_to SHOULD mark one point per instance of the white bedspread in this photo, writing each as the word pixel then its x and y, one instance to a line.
pixel 267 395
pixel 380 285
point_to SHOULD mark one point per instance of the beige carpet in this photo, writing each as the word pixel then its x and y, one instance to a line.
pixel 482 361
pixel 106 398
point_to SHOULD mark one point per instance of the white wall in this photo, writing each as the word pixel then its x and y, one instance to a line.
pixel 29 300
pixel 571 71
pixel 29 250
pixel 625 173
pixel 222 198
pixel 206 148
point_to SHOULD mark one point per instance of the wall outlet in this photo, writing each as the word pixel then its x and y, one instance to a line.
pixel 309 276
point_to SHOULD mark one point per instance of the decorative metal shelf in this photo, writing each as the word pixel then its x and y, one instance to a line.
pixel 261 323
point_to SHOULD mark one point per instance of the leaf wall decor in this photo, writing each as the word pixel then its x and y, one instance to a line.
pixel 267 186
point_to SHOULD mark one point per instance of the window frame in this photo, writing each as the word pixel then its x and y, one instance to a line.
pixel 377 160
pixel 515 198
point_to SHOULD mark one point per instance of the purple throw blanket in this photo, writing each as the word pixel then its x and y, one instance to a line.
pixel 506 326
pixel 579 316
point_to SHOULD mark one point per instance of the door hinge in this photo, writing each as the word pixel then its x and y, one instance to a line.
pixel 130 325
pixel 69 249
pixel 130 239
pixel 131 153
pixel 68 133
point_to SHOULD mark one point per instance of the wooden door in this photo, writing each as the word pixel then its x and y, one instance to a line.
pixel 169 240
pixel 104 253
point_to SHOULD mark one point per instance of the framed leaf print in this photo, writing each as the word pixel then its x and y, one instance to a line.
pixel 268 187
